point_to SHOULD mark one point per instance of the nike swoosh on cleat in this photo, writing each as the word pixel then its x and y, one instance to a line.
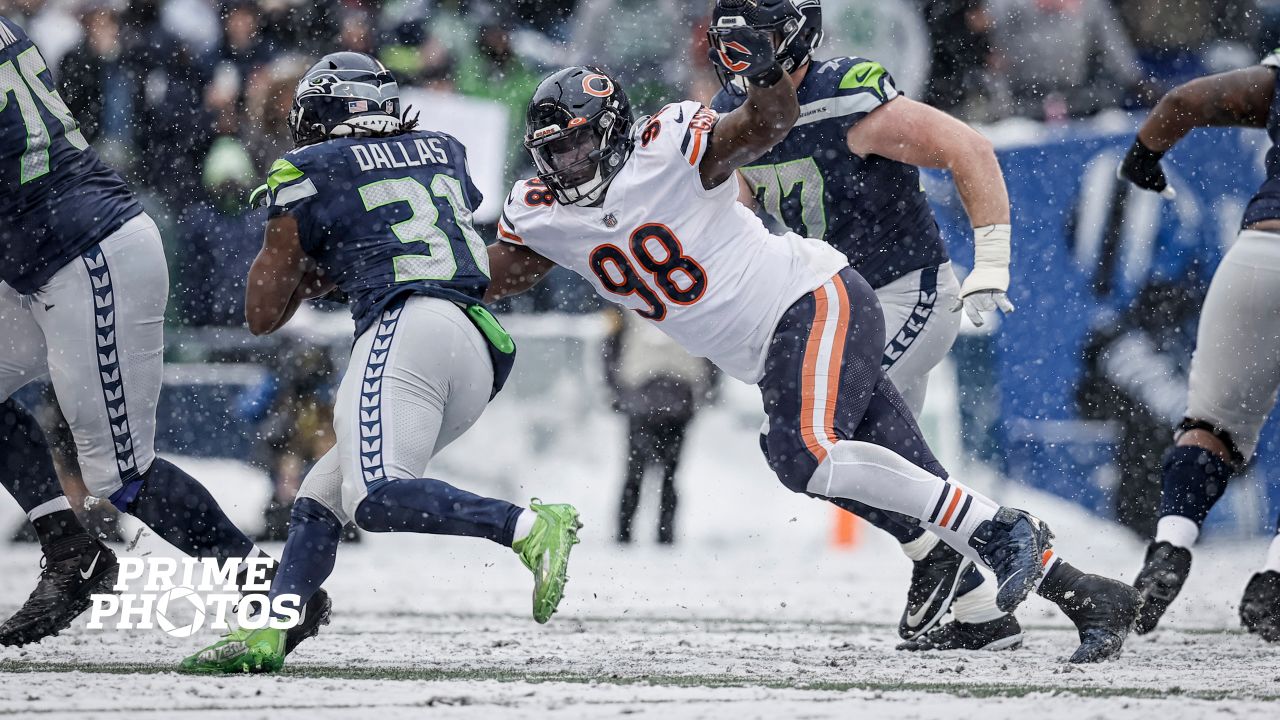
pixel 913 619
pixel 1006 582
pixel 85 574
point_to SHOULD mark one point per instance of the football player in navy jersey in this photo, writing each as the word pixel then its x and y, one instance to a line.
pixel 83 289
pixel 381 210
pixel 848 173
pixel 1235 370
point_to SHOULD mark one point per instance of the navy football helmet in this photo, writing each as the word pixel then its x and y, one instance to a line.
pixel 796 27
pixel 345 94
pixel 578 130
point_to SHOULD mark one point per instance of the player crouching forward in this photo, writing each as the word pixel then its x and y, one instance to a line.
pixel 647 215
pixel 382 211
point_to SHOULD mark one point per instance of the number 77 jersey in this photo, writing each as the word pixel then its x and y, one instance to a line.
pixel 693 261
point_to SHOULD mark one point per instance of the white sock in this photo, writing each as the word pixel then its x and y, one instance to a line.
pixel 977 606
pixel 920 547
pixel 1273 556
pixel 49 507
pixel 1049 560
pixel 879 477
pixel 1177 530
pixel 524 525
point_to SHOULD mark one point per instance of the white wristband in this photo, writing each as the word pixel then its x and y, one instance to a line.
pixel 990 259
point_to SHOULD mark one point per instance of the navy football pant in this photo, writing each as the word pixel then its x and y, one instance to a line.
pixel 823 383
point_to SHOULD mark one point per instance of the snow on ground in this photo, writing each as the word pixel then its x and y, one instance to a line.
pixel 753 615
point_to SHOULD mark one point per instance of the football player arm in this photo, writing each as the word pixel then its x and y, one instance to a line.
pixel 748 132
pixel 1235 98
pixel 514 269
pixel 281 278
pixel 916 134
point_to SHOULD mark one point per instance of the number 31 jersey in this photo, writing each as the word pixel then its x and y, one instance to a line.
pixel 385 218
pixel 693 261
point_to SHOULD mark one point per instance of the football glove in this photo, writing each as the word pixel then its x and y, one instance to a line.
pixel 1141 166
pixel 986 286
pixel 744 51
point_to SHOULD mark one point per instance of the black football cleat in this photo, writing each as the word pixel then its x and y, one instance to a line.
pixel 1003 633
pixel 74 569
pixel 1260 606
pixel 314 614
pixel 1013 544
pixel 935 582
pixel 1159 581
pixel 1103 610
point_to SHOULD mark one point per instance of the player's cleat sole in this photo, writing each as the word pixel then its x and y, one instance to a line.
pixel 546 553
pixel 1003 633
pixel 1103 610
pixel 1260 606
pixel 935 582
pixel 1013 544
pixel 314 614
pixel 1159 581
pixel 241 651
pixel 65 590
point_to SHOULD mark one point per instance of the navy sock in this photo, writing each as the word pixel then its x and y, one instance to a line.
pixel 433 506
pixel 26 467
pixel 58 525
pixel 309 553
pixel 180 510
pixel 902 528
pixel 1059 582
pixel 1194 479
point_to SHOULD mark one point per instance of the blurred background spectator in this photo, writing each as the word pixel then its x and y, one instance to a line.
pixel 659 388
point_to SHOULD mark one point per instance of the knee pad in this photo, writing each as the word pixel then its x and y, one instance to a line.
pixel 1194 479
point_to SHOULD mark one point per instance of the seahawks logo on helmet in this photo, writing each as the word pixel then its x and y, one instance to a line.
pixel 346 94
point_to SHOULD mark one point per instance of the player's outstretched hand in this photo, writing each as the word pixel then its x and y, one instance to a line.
pixel 1141 166
pixel 981 301
pixel 743 51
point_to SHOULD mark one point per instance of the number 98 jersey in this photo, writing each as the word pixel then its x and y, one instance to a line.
pixel 57 199
pixel 693 261
pixel 386 217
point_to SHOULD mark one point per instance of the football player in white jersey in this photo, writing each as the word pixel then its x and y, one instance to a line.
pixel 647 213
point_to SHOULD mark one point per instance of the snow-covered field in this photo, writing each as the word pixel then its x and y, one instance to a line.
pixel 753 615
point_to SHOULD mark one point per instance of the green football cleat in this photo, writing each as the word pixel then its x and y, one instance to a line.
pixel 240 651
pixel 546 552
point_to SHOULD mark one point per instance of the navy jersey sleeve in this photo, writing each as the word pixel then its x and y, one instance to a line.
pixel 848 89
pixel 725 101
pixel 295 184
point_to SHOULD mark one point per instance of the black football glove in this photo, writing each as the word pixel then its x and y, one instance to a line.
pixel 1141 166
pixel 746 52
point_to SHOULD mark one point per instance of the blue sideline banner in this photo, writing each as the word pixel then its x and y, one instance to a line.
pixel 1085 246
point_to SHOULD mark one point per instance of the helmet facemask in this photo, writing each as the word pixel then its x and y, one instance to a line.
pixel 578 159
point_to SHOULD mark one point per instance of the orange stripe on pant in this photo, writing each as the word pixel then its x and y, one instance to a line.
pixel 822 375
pixel 956 494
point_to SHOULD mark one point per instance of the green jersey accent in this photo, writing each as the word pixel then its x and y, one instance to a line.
pixel 282 171
pixel 867 74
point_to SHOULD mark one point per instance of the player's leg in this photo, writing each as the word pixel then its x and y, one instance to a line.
pixel 920 329
pixel 1260 605
pixel 27 472
pixel 637 460
pixel 1231 390
pixel 670 439
pixel 436 382
pixel 104 329
pixel 814 451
